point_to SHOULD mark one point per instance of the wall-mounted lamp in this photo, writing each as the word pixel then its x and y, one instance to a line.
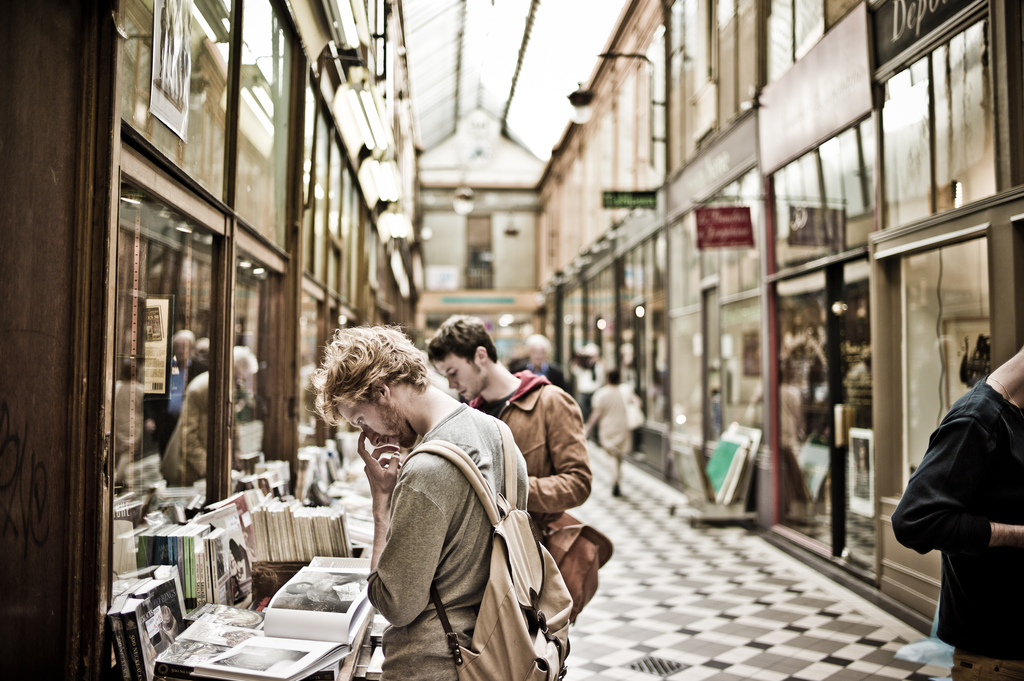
pixel 462 201
pixel 580 100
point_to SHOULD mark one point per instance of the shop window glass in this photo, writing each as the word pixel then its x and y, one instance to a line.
pixel 846 162
pixel 740 267
pixel 164 281
pixel 687 398
pixel 309 133
pixel 250 355
pixel 964 148
pixel 953 82
pixel 805 413
pixel 780 38
pixel 309 354
pixel 263 120
pixel 602 314
pixel 684 265
pixel 334 202
pixel 742 396
pixel 794 27
pixel 907 153
pixel 193 95
pixel 946 336
pixel 317 215
pixel 653 345
pixel 811 225
pixel 676 99
pixel 349 234
pixel 805 229
pixel 572 323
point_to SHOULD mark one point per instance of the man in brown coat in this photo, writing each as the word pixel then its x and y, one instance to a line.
pixel 545 421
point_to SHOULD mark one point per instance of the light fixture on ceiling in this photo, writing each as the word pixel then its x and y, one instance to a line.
pixel 462 201
pixel 580 100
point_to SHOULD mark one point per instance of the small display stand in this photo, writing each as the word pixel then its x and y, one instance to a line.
pixel 718 488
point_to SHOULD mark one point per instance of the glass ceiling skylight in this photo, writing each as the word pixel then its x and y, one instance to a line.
pixel 566 39
pixel 561 51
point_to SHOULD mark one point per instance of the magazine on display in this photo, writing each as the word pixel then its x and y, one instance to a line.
pixel 200 642
pixel 227 615
pixel 278 659
pixel 309 624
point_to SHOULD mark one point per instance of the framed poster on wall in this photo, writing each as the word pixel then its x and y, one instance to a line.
pixel 860 482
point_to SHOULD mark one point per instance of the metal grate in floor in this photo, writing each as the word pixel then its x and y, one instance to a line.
pixel 656 665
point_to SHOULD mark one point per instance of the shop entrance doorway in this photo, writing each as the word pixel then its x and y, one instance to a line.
pixel 826 453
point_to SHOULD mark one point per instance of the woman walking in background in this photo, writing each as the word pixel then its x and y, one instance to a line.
pixel 608 413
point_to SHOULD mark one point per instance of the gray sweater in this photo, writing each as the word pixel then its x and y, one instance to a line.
pixel 439 533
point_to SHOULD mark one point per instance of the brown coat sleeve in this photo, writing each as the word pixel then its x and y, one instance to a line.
pixel 548 427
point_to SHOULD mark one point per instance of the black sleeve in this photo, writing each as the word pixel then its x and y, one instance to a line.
pixel 936 510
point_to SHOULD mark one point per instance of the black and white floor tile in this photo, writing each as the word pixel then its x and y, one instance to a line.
pixel 718 603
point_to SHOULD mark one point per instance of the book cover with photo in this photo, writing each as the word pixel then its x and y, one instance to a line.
pixel 239 558
pixel 218 564
pixel 321 603
pixel 151 619
pixel 202 641
pixel 278 659
pixel 227 615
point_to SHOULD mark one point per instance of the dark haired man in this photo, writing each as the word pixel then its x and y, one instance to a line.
pixel 545 421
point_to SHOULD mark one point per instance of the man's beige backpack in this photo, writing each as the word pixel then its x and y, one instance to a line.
pixel 522 629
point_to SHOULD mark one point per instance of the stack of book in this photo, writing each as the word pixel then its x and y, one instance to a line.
pixel 213 553
pixel 289 531
pixel 305 632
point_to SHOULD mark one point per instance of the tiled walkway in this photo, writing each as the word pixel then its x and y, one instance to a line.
pixel 718 603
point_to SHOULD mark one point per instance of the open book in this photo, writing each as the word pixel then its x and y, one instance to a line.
pixel 311 622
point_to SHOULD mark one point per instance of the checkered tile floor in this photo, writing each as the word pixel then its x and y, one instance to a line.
pixel 718 603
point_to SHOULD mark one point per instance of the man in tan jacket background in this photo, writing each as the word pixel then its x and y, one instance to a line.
pixel 545 420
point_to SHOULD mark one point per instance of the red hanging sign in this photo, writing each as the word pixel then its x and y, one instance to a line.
pixel 724 227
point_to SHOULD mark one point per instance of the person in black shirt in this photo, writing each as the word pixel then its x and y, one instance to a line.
pixel 965 500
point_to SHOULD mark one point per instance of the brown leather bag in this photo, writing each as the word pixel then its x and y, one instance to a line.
pixel 579 550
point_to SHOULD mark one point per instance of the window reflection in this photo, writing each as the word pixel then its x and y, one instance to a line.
pixel 164 284
pixel 263 120
pixel 946 332
pixel 810 225
pixel 309 353
pixel 201 153
pixel 805 413
pixel 249 357
pixel 687 353
pixel 948 90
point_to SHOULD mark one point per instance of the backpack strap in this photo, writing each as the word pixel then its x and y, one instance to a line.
pixel 465 463
pixel 508 445
pixel 469 468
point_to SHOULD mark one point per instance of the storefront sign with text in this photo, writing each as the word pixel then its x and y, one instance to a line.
pixel 724 227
